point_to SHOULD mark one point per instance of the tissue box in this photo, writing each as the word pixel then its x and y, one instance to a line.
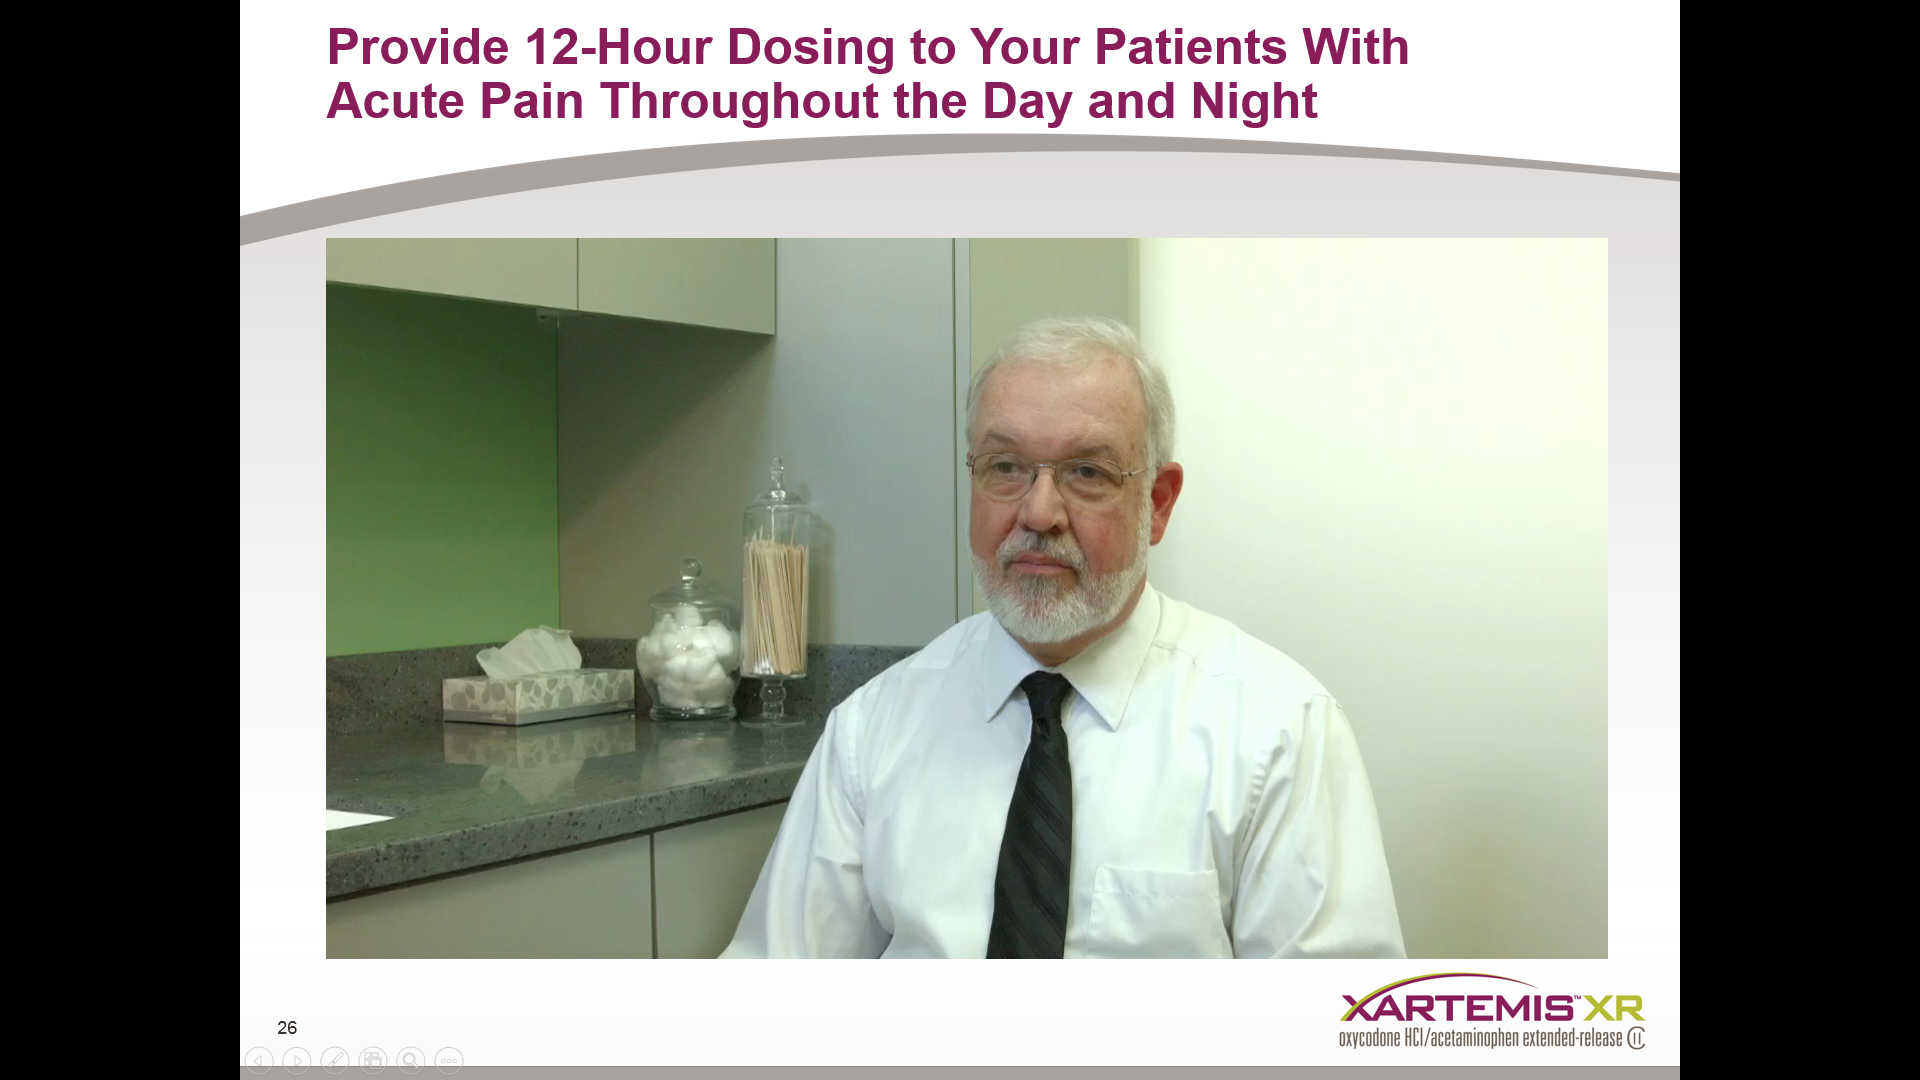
pixel 532 699
pixel 542 747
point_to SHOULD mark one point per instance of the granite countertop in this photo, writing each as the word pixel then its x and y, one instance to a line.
pixel 463 796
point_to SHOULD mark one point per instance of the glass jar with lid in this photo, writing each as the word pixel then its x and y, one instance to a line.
pixel 774 581
pixel 689 658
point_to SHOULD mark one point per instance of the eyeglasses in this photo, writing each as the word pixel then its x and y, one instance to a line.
pixel 1008 478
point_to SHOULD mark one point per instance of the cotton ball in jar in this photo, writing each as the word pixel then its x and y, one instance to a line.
pixel 676 694
pixel 686 665
pixel 687 657
pixel 679 667
pixel 648 656
pixel 720 642
pixel 716 687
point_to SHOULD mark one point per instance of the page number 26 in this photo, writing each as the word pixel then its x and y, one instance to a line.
pixel 289 1027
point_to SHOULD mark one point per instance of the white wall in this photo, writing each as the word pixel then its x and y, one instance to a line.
pixel 1396 459
pixel 1012 282
pixel 666 434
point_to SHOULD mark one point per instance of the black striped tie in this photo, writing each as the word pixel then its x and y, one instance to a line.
pixel 1036 852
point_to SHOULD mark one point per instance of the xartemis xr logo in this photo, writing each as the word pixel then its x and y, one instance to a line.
pixel 1425 997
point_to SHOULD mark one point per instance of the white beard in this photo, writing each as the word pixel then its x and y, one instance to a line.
pixel 1043 610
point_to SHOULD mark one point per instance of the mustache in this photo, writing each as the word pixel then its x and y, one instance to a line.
pixel 1061 548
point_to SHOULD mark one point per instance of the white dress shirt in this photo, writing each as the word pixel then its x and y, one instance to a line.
pixel 1220 808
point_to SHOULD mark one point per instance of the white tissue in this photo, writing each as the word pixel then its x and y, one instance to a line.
pixel 687 662
pixel 532 652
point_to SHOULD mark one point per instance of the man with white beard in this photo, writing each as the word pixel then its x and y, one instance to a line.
pixel 1089 768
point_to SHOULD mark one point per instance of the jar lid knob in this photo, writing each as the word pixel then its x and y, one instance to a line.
pixel 779 478
pixel 689 569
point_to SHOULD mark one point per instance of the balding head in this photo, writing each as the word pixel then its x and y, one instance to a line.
pixel 1074 343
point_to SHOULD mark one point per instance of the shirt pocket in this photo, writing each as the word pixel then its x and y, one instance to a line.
pixel 1156 913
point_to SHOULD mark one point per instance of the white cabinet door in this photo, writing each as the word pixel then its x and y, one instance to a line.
pixel 703 875
pixel 728 284
pixel 538 273
pixel 588 903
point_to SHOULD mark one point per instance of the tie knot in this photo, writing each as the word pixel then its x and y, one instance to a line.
pixel 1046 692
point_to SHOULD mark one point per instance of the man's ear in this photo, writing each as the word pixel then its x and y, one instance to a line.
pixel 1166 490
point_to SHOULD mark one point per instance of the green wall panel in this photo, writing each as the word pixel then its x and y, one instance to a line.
pixel 442 486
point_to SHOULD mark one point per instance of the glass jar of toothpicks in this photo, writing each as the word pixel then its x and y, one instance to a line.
pixel 773 624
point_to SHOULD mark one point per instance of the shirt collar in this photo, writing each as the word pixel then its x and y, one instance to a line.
pixel 1103 674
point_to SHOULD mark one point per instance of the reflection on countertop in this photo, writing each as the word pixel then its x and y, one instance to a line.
pixel 469 795
pixel 540 761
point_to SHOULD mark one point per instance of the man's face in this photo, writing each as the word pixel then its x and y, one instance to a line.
pixel 1054 570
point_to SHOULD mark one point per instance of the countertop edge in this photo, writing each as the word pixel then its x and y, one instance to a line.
pixel 404 862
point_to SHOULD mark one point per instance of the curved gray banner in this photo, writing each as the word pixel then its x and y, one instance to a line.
pixel 535 175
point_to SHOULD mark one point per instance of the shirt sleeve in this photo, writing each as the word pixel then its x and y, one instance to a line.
pixel 1313 878
pixel 811 897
